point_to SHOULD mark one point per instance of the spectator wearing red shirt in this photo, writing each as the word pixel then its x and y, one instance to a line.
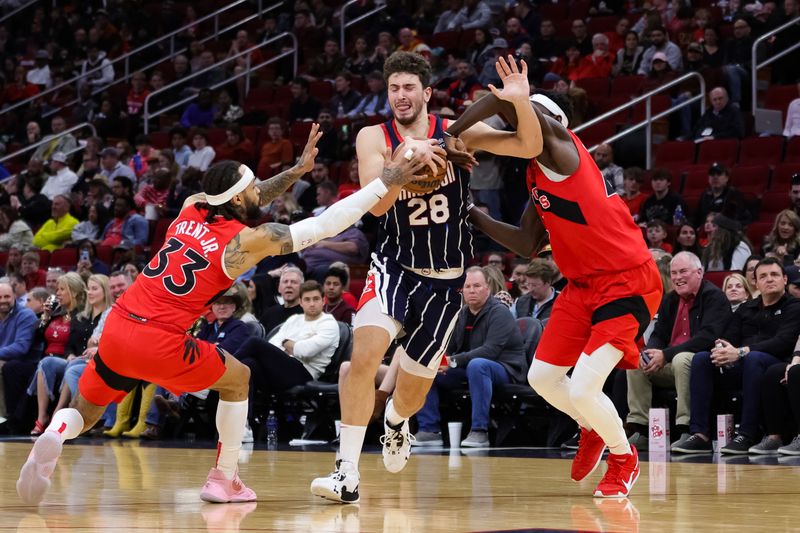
pixel 20 90
pixel 352 184
pixel 34 276
pixel 277 152
pixel 137 95
pixel 462 91
pixel 598 64
pixel 236 146
pixel 567 65
pixel 616 38
pixel 155 194
pixel 633 198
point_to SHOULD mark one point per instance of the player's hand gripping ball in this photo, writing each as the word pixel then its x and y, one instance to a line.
pixel 428 181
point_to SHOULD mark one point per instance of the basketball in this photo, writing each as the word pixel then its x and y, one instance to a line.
pixel 429 182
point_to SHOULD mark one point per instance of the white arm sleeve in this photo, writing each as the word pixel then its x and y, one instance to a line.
pixel 337 217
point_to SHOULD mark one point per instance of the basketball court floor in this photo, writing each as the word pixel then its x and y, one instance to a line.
pixel 131 486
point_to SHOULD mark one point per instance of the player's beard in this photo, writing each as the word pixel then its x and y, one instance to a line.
pixel 251 210
pixel 414 116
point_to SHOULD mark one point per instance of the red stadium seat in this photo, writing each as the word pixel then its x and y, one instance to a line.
pixel 609 103
pixel 578 9
pixel 44 258
pixel 658 103
pixel 782 176
pixel 602 24
pixel 595 87
pixel 627 85
pixel 792 151
pixel 695 182
pixel 779 96
pixel 773 203
pixel 761 151
pixel 298 133
pixel 65 258
pixel 717 278
pixel 680 152
pixel 757 230
pixel 160 139
pixel 105 254
pixel 553 11
pixel 753 179
pixel 596 134
pixel 321 90
pixel 446 39
pixel 721 151
pixel 216 136
pixel 3 259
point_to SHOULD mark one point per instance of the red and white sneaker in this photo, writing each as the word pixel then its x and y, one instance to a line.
pixel 590 453
pixel 622 473
pixel 219 489
pixel 34 478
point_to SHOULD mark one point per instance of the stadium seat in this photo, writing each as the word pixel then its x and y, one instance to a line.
pixel 782 176
pixel 761 151
pixel 216 136
pixel 753 179
pixel 578 9
pixel 779 96
pixel 596 134
pixel 658 103
pixel 298 133
pixel 773 202
pixel 105 254
pixel 756 231
pixel 445 39
pixel 595 87
pixel 65 258
pixel 792 151
pixel 721 151
pixel 695 182
pixel 679 152
pixel 627 85
pixel 602 24
pixel 321 90
pixel 44 258
pixel 717 278
pixel 160 139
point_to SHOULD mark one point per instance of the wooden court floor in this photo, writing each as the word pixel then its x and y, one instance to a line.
pixel 125 486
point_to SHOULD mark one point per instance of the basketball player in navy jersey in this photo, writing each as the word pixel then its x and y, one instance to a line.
pixel 423 245
pixel 613 285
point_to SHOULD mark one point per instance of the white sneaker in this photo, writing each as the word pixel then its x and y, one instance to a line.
pixel 340 486
pixel 247 438
pixel 34 478
pixel 396 445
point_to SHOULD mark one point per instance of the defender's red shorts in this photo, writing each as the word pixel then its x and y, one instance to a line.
pixel 133 349
pixel 613 308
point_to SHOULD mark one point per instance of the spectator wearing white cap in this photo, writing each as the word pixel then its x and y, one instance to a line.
pixel 40 74
pixel 62 181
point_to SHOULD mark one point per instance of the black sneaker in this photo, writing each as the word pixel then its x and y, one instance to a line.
pixel 694 444
pixel 740 445
pixel 572 443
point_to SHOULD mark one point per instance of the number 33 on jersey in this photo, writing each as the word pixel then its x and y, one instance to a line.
pixel 187 273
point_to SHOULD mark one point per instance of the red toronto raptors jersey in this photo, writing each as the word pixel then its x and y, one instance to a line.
pixel 591 229
pixel 187 274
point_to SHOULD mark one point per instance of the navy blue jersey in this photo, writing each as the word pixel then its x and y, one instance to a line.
pixel 427 231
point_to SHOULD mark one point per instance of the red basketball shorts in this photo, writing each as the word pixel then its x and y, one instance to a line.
pixel 131 350
pixel 613 308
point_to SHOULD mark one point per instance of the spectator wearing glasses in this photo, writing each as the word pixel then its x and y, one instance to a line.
pixel 538 302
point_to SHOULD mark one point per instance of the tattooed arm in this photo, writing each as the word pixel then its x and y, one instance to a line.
pixel 251 245
pixel 270 189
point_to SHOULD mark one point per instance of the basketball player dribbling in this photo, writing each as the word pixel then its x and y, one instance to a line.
pixel 418 266
pixel 207 247
pixel 613 286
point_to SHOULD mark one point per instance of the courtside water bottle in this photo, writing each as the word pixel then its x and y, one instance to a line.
pixel 272 431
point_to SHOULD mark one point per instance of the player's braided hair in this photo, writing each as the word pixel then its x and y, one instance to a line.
pixel 219 178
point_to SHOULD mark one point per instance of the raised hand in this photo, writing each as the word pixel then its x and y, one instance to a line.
pixel 306 161
pixel 458 154
pixel 515 82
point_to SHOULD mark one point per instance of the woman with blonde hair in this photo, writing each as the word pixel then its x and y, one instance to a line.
pixel 55 329
pixel 282 207
pixel 497 285
pixel 98 301
pixel 783 241
pixel 737 290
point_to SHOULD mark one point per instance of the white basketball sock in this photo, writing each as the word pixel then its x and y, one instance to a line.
pixel 586 394
pixel 392 418
pixel 231 419
pixel 552 384
pixel 68 423
pixel 351 440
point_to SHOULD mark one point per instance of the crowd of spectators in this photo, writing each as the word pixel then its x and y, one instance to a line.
pixel 109 197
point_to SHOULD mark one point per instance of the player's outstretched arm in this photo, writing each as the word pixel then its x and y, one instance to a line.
pixel 525 240
pixel 273 187
pixel 251 245
pixel 526 142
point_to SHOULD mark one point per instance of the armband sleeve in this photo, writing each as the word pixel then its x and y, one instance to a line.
pixel 337 217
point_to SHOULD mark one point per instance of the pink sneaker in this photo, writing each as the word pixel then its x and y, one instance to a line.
pixel 219 489
pixel 34 478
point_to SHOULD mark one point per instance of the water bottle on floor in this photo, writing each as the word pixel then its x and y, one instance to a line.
pixel 272 431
